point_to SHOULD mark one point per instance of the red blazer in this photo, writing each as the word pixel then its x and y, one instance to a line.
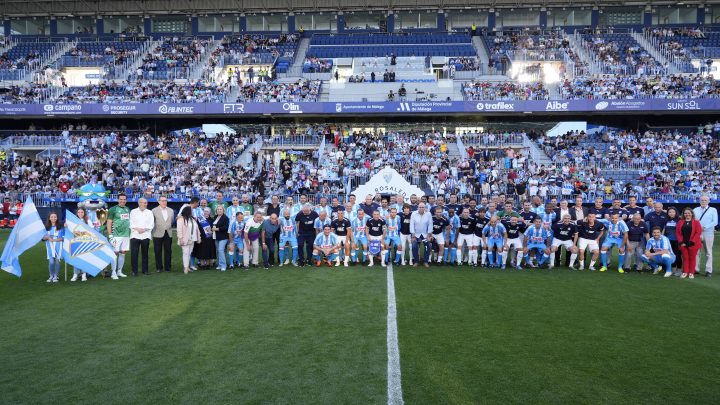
pixel 694 235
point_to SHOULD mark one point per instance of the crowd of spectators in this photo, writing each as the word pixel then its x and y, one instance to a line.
pixel 119 55
pixel 623 59
pixel 629 87
pixel 463 63
pixel 173 58
pixel 254 48
pixel 30 61
pixel 134 162
pixel 480 90
pixel 300 91
pixel 317 65
pixel 142 91
pixel 531 45
pixel 192 163
pixel 25 94
pixel 660 162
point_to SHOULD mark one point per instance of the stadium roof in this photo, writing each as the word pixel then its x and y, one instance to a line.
pixel 69 8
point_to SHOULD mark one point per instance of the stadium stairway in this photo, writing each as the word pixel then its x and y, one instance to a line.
pixel 481 50
pixel 575 41
pixel 654 52
pixel 139 60
pixel 453 150
pixel 199 69
pixel 297 66
pixel 537 154
pixel 245 158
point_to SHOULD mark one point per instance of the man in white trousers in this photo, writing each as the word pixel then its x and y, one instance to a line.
pixel 708 217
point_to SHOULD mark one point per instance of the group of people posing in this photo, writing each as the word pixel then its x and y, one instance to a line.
pixel 421 231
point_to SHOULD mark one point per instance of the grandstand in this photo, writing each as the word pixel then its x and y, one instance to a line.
pixel 490 116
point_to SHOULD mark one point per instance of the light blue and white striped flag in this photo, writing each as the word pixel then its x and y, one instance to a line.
pixel 84 247
pixel 28 231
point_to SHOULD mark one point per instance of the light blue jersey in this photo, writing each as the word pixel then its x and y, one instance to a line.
pixel 327 209
pixel 54 249
pixel 537 237
pixel 236 232
pixel 358 229
pixel 547 218
pixel 319 224
pixel 287 228
pixel 658 244
pixel 232 211
pixel 454 226
pixel 326 241
pixel 615 233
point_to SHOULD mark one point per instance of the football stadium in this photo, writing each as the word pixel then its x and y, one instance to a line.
pixel 337 202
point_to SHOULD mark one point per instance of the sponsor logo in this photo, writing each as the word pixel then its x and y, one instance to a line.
pixel 556 106
pixel 106 107
pixel 63 108
pixel 683 105
pixel 601 105
pixel 237 108
pixel 338 107
pixel 496 106
pixel 165 109
pixel 404 107
pixel 292 108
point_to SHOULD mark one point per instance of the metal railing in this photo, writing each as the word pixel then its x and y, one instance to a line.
pixel 500 140
pixel 293 140
pixel 535 54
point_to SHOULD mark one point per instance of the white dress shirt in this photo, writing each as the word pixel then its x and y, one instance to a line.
pixel 141 219
pixel 710 220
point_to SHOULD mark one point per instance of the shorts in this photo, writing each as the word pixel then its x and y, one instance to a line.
pixel 517 243
pixel 610 242
pixel 556 243
pixel 393 240
pixel 495 242
pixel 478 241
pixel 439 238
pixel 360 240
pixel 285 240
pixel 538 246
pixel 239 243
pixel 121 243
pixel 372 237
pixel 341 240
pixel 468 240
pixel 587 243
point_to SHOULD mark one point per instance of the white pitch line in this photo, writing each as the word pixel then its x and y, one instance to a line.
pixel 393 350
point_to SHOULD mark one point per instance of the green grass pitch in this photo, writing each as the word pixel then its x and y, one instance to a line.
pixel 318 336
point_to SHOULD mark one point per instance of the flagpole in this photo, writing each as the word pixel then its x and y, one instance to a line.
pixel 65 270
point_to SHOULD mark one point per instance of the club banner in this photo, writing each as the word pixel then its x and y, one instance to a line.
pixel 488 107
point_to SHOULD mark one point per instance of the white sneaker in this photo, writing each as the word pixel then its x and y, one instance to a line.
pixel 370 264
pixel 121 274
pixel 83 277
pixel 346 263
pixel 50 280
pixel 287 261
pixel 114 276
pixel 55 280
pixel 668 274
pixel 74 278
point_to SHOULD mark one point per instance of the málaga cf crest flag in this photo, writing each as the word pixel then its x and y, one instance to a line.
pixel 84 247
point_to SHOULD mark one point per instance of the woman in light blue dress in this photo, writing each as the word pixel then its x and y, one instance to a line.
pixel 53 244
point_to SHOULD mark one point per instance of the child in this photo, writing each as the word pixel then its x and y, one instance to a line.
pixel 53 242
